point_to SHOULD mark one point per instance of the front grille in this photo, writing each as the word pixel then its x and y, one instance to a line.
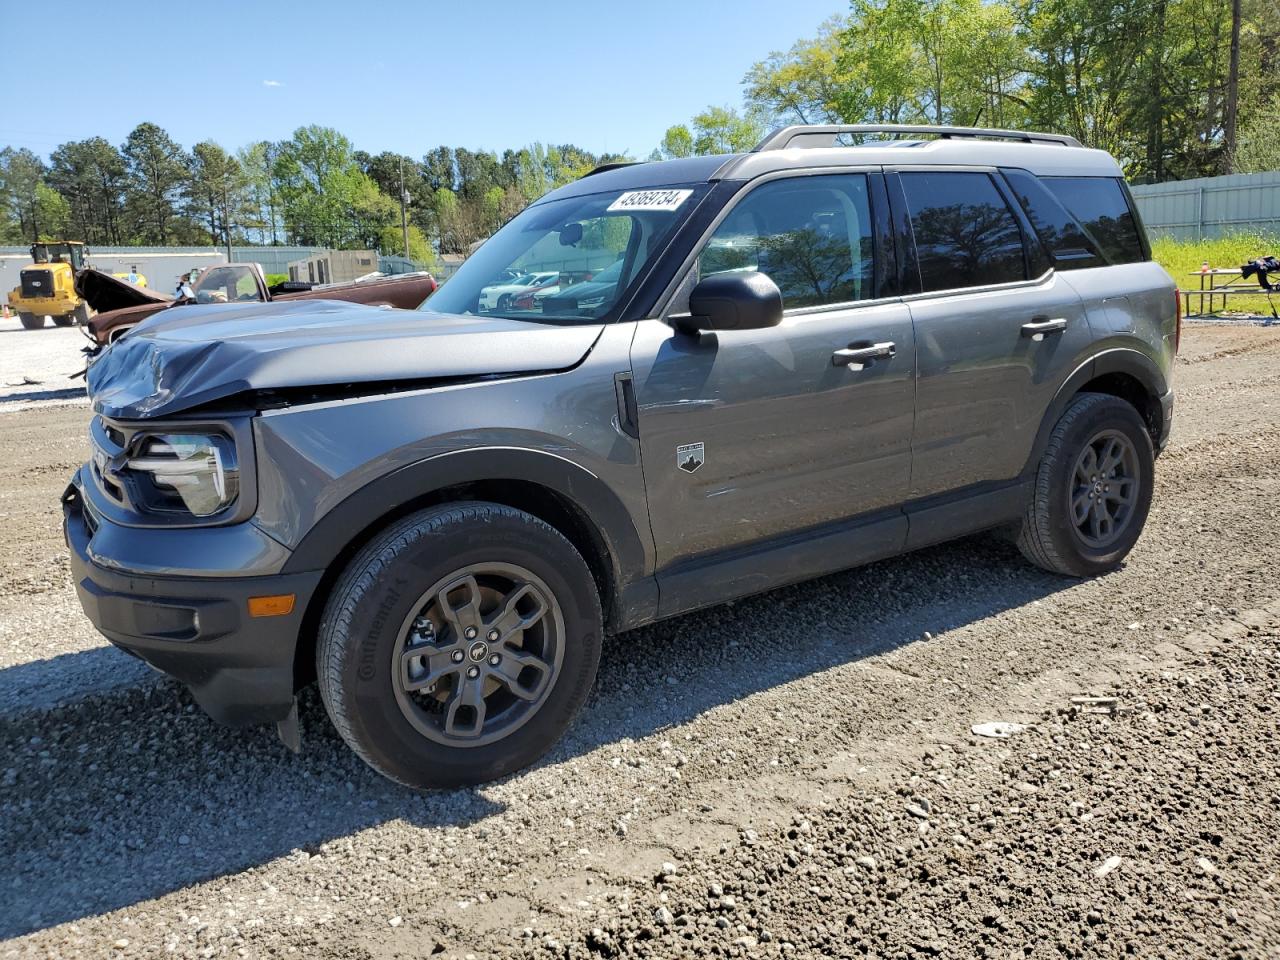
pixel 37 283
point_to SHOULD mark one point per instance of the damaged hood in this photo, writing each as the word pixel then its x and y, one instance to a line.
pixel 184 359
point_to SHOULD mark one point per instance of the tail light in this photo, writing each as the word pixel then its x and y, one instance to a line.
pixel 1177 330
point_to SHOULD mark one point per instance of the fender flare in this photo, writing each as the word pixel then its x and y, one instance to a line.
pixel 1124 360
pixel 581 488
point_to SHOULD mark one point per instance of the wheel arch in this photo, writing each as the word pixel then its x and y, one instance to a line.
pixel 565 495
pixel 1128 374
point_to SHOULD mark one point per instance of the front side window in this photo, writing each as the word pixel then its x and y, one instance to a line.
pixel 1101 207
pixel 568 261
pixel 811 235
pixel 965 233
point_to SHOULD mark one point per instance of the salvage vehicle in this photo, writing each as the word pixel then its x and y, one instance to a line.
pixel 500 295
pixel 813 356
pixel 121 305
pixel 47 288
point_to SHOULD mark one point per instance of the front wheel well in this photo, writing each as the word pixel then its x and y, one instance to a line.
pixel 542 502
pixel 1131 390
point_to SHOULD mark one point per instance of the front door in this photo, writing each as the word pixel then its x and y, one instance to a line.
pixel 750 435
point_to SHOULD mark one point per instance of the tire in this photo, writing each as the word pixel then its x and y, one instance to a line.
pixel 1099 458
pixel 30 321
pixel 66 320
pixel 390 602
pixel 504 303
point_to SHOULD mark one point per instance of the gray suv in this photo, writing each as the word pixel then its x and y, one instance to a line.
pixel 748 370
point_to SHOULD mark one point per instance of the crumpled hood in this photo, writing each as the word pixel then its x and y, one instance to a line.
pixel 183 359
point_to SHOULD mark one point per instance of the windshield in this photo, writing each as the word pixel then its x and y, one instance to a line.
pixel 229 284
pixel 573 260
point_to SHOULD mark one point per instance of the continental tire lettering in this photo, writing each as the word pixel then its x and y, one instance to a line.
pixel 369 648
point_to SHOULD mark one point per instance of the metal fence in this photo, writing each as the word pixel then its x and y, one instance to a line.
pixel 1211 206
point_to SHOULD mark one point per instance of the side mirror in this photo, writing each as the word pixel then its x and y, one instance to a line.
pixel 734 301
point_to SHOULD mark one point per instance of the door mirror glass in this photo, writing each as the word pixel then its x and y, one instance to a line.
pixel 734 301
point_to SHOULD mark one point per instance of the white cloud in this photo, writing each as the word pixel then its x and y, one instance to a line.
pixel 272 83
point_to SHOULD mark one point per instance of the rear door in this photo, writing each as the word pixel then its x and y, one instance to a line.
pixel 752 435
pixel 997 330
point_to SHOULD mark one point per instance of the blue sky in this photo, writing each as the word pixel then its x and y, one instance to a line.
pixel 391 76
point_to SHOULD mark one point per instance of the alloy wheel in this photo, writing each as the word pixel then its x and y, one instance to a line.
pixel 478 655
pixel 1104 489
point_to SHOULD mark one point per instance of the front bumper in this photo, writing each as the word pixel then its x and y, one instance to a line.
pixel 240 669
pixel 44 306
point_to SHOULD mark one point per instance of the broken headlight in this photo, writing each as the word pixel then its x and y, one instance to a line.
pixel 194 473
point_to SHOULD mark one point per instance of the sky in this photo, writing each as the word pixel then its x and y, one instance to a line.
pixel 405 77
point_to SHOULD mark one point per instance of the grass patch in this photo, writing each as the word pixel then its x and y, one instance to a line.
pixel 1183 258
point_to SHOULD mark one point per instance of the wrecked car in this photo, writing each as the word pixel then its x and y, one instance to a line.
pixel 121 305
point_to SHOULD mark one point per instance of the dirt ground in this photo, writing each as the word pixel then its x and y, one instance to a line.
pixel 793 775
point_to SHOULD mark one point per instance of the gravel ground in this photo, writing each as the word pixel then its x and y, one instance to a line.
pixel 792 775
pixel 38 365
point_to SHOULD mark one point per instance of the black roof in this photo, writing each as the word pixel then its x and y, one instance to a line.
pixel 641 176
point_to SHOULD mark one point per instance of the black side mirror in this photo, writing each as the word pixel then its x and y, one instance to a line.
pixel 734 301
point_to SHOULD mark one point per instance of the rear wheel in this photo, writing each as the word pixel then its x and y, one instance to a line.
pixel 30 321
pixel 1093 489
pixel 66 320
pixel 459 644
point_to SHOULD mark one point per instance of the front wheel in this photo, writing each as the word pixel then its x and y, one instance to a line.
pixel 31 321
pixel 1092 489
pixel 459 645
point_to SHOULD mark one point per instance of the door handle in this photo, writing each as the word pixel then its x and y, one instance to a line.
pixel 863 355
pixel 1037 328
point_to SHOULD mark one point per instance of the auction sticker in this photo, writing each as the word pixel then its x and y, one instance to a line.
pixel 650 200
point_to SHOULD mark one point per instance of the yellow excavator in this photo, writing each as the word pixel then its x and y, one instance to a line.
pixel 47 288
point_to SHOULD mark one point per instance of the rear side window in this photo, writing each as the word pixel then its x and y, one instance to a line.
pixel 965 233
pixel 811 235
pixel 1066 242
pixel 1101 207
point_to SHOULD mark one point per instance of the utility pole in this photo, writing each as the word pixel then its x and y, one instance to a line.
pixel 405 204
pixel 226 219
pixel 1233 94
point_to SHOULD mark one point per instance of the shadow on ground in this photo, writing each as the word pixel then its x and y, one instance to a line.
pixel 132 794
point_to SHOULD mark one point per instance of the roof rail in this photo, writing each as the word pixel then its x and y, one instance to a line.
pixel 824 134
pixel 609 166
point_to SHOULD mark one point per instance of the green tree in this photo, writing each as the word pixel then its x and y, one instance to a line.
pixel 92 176
pixel 217 193
pixel 158 171
pixel 22 174
pixel 725 130
pixel 317 176
pixel 676 142
pixel 53 213
pixel 805 84
pixel 257 160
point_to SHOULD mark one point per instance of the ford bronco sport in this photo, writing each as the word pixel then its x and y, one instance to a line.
pixel 794 361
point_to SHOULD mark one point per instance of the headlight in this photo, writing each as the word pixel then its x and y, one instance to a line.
pixel 194 473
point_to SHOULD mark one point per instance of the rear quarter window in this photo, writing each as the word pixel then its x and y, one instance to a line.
pixel 1064 238
pixel 1100 205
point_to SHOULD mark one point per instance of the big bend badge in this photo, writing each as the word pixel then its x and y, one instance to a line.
pixel 690 456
